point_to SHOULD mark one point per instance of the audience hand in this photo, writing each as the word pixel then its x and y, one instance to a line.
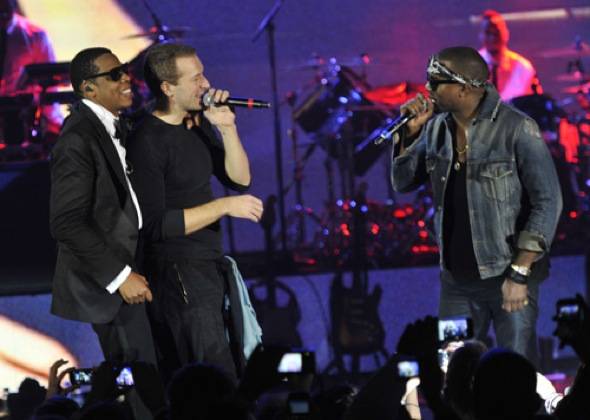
pixel 54 380
pixel 419 339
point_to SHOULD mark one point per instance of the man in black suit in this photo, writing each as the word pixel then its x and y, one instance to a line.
pixel 94 214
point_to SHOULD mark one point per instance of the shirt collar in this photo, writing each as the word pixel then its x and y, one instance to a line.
pixel 491 103
pixel 104 115
pixel 488 108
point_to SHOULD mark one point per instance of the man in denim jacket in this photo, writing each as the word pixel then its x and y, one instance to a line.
pixel 496 194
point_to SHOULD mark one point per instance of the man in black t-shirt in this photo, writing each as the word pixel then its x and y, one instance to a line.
pixel 182 239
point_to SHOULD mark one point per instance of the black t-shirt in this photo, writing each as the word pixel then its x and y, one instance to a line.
pixel 458 253
pixel 172 168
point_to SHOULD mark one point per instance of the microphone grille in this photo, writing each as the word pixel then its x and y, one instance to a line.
pixel 207 99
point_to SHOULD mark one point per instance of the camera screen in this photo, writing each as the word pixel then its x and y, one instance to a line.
pixel 125 378
pixel 408 369
pixel 291 363
pixel 453 329
pixel 81 377
pixel 568 311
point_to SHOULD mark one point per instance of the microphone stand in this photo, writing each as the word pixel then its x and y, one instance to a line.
pixel 266 24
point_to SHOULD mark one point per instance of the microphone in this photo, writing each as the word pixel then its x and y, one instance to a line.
pixel 237 102
pixel 393 127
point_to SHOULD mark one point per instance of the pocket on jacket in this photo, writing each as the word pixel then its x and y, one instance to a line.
pixel 496 180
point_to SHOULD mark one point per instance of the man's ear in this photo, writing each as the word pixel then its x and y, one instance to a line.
pixel 87 88
pixel 166 88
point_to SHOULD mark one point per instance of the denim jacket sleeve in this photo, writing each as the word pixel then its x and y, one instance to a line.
pixel 408 171
pixel 539 179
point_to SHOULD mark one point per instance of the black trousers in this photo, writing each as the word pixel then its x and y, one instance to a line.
pixel 190 317
pixel 128 338
pixel 482 301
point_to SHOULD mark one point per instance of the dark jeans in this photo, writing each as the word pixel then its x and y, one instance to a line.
pixel 482 301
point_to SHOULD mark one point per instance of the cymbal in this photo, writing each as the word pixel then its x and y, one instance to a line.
pixel 156 33
pixel 584 88
pixel 395 94
pixel 572 77
pixel 577 49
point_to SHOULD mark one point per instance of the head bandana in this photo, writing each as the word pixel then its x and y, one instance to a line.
pixel 436 68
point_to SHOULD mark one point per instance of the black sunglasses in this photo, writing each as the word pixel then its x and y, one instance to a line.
pixel 433 83
pixel 114 74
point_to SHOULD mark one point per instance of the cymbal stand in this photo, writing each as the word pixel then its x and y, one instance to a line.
pixel 299 163
pixel 267 25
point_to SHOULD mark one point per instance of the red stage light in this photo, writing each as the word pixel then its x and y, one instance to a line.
pixel 399 213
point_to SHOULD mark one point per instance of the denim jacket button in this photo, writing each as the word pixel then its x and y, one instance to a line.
pixel 443 179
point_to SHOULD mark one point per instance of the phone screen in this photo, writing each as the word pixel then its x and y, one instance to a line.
pixel 291 363
pixel 81 377
pixel 408 369
pixel 454 329
pixel 125 377
pixel 568 311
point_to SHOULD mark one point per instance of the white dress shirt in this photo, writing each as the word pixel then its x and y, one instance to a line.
pixel 108 120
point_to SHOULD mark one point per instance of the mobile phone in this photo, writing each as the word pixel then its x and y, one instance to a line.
pixel 454 329
pixel 408 368
pixel 125 378
pixel 81 376
pixel 569 310
pixel 297 362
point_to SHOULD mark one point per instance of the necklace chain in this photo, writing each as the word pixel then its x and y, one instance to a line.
pixel 462 151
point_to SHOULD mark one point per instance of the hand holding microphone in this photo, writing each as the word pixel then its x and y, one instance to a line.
pixel 215 109
pixel 421 110
pixel 413 115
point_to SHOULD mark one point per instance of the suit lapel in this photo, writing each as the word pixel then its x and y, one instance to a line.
pixel 106 144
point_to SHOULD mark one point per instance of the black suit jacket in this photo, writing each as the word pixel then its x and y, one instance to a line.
pixel 92 217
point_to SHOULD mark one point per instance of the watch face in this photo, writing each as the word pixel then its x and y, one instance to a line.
pixel 525 271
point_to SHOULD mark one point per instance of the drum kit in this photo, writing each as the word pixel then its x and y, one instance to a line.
pixel 342 114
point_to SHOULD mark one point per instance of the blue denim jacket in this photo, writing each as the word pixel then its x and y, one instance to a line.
pixel 513 194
